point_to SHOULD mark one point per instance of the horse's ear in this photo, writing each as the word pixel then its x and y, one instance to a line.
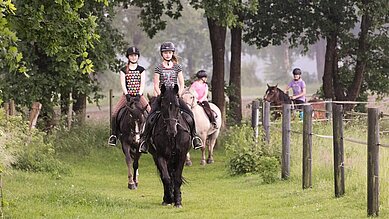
pixel 276 85
pixel 268 86
pixel 163 88
pixel 175 88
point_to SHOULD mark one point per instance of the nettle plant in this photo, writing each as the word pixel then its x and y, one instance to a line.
pixel 246 157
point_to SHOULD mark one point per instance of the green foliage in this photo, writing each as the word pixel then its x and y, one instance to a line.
pixel 80 140
pixel 9 55
pixel 246 157
pixel 26 149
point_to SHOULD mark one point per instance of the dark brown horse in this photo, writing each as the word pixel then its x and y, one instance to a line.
pixel 171 142
pixel 277 97
pixel 130 121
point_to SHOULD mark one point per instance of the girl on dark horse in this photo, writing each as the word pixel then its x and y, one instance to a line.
pixel 171 142
pixel 168 73
pixel 132 81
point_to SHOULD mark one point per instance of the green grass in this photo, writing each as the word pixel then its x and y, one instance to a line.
pixel 97 188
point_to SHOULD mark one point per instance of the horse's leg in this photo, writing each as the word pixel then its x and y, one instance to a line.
pixel 203 137
pixel 166 180
pixel 128 159
pixel 211 146
pixel 135 166
pixel 188 162
pixel 126 149
pixel 177 181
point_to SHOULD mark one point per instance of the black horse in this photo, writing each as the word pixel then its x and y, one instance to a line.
pixel 276 97
pixel 171 142
pixel 130 121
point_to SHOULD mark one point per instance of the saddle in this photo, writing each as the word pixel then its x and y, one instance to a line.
pixel 208 111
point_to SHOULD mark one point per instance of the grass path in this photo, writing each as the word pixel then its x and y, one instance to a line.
pixel 97 188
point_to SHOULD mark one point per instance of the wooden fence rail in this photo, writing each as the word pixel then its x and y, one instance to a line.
pixel 334 110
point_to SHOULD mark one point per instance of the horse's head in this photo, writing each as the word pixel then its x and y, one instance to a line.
pixel 190 97
pixel 272 94
pixel 136 117
pixel 170 108
pixel 276 96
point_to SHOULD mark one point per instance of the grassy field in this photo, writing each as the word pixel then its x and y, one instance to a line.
pixel 97 187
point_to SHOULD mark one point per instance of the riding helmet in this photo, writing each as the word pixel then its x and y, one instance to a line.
pixel 167 46
pixel 296 71
pixel 201 74
pixel 132 50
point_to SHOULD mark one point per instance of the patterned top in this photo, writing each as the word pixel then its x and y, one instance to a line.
pixel 168 76
pixel 133 79
pixel 297 87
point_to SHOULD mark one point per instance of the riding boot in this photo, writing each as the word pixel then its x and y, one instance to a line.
pixel 113 139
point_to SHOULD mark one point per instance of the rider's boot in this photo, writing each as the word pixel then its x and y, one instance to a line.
pixel 113 139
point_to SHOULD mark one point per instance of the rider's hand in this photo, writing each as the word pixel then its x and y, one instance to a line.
pixel 137 98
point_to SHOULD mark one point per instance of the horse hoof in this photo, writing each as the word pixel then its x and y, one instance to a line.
pixel 188 163
pixel 178 206
pixel 132 186
pixel 166 204
pixel 202 162
pixel 209 161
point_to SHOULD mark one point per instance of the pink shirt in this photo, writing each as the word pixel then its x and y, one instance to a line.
pixel 201 90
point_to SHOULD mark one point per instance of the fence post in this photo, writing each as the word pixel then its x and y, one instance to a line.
pixel 35 110
pixel 110 110
pixel 285 162
pixel 337 128
pixel 372 162
pixel 12 110
pixel 328 108
pixel 254 118
pixel 307 147
pixel 266 120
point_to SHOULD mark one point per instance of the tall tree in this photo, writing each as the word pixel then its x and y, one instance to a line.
pixel 54 40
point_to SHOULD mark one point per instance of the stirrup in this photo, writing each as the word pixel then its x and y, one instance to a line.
pixel 143 147
pixel 200 141
pixel 112 140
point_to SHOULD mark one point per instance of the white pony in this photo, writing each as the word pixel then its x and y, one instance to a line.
pixel 204 128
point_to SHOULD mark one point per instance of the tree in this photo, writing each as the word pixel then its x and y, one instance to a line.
pixel 54 40
pixel 304 22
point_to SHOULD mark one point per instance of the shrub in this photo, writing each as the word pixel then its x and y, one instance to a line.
pixel 245 157
pixel 26 149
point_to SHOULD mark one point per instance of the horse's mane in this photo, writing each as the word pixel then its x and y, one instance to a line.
pixel 283 95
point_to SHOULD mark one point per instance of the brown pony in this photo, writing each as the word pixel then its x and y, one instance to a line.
pixel 130 120
pixel 277 97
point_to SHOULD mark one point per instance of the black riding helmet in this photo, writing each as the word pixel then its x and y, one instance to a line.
pixel 167 46
pixel 296 71
pixel 201 74
pixel 132 50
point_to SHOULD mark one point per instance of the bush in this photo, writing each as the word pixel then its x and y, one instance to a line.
pixel 245 157
pixel 26 149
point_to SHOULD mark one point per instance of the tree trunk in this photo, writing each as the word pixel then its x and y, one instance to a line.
pixel 79 108
pixel 329 66
pixel 217 36
pixel 363 48
pixel 235 94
